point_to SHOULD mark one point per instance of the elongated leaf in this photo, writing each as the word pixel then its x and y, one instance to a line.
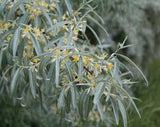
pixel 73 95
pixel 134 65
pixel 95 21
pixel 99 107
pixel 1 55
pixel 15 41
pixel 23 19
pixel 57 72
pixel 14 80
pixel 59 24
pixel 69 70
pixel 123 113
pixel 81 102
pixel 61 100
pixel 115 110
pixel 69 7
pixel 83 84
pixel 12 11
pixel 32 83
pixel 116 68
pixel 36 44
pixel 95 34
pixel 47 16
pixel 80 67
pixel 98 92
pixel 128 96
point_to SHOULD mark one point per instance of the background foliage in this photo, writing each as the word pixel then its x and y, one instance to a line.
pixel 55 59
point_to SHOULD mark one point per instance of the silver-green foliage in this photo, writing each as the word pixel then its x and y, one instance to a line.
pixel 47 62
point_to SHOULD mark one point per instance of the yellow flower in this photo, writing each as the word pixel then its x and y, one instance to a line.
pixel 65 27
pixel 58 51
pixel 37 11
pixel 76 12
pixel 54 21
pixel 96 65
pixel 10 7
pixel 65 41
pixel 9 37
pixel 35 60
pixel 53 9
pixel 75 38
pixel 26 30
pixel 97 55
pixel 75 31
pixel 87 58
pixel 22 64
pixel 75 58
pixel 110 66
pixel 66 18
pixel 26 6
pixel 105 55
pixel 6 25
pixel 36 29
pixel 31 9
pixel 30 55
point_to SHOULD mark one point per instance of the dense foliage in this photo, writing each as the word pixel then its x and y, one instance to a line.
pixel 48 64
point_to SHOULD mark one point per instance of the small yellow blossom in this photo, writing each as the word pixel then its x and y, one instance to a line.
pixel 48 37
pixel 94 85
pixel 75 31
pixel 76 12
pixel 37 11
pixel 30 55
pixel 6 26
pixel 26 30
pixel 22 64
pixel 97 55
pixel 105 55
pixel 36 29
pixel 53 9
pixel 47 10
pixel 65 41
pixel 58 51
pixel 26 6
pixel 54 21
pixel 9 37
pixel 75 38
pixel 110 66
pixel 31 9
pixel 89 77
pixel 66 18
pixel 10 7
pixel 31 17
pixel 96 65
pixel 35 60
pixel 87 58
pixel 75 58
pixel 65 27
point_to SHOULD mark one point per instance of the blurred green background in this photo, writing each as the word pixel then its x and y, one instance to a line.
pixel 140 22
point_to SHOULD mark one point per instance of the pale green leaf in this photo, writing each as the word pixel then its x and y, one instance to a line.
pixel 14 80
pixel 98 92
pixel 15 41
pixel 135 66
pixel 32 83
pixel 57 71
pixel 123 113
